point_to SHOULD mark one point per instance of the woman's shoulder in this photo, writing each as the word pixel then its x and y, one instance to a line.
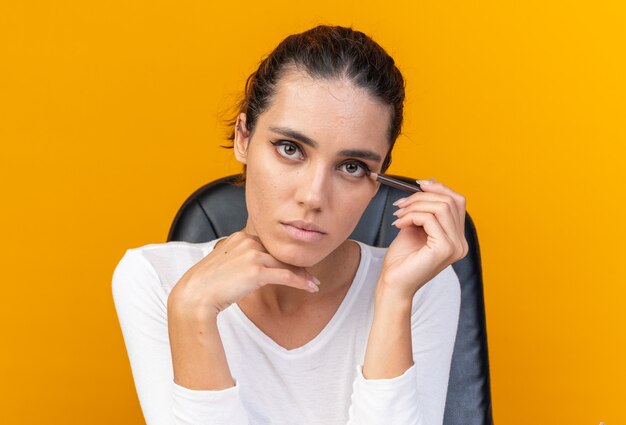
pixel 376 254
pixel 440 295
pixel 161 253
pixel 158 264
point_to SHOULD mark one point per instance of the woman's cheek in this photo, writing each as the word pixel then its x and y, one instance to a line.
pixel 355 204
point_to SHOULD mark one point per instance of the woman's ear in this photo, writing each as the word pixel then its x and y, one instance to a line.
pixel 242 138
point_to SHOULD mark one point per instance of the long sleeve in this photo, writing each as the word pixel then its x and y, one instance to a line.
pixel 141 305
pixel 418 396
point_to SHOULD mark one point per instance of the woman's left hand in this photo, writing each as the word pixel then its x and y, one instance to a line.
pixel 431 237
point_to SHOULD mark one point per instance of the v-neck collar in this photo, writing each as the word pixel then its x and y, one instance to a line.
pixel 262 338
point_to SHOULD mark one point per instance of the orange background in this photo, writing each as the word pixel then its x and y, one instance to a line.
pixel 110 118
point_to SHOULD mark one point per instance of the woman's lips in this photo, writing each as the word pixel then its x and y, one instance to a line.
pixel 302 234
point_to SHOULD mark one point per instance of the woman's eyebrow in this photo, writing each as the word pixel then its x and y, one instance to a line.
pixel 354 153
pixel 360 153
pixel 294 134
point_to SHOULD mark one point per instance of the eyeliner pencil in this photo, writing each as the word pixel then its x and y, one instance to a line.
pixel 398 184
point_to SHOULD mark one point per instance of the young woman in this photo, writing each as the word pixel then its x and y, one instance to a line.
pixel 288 321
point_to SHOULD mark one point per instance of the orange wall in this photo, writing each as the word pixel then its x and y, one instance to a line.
pixel 109 120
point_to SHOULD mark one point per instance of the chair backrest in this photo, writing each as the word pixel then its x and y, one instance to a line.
pixel 219 209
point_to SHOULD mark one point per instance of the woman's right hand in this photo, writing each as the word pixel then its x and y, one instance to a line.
pixel 237 266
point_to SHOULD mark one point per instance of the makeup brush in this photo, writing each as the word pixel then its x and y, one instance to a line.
pixel 390 181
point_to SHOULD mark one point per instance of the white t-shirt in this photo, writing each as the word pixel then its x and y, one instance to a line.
pixel 320 383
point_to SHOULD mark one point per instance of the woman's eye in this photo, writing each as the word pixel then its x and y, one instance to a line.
pixel 288 149
pixel 354 168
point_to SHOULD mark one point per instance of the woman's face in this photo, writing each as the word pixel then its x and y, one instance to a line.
pixel 306 186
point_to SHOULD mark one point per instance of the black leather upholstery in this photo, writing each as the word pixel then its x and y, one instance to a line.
pixel 219 209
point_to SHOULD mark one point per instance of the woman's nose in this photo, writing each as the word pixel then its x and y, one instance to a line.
pixel 312 191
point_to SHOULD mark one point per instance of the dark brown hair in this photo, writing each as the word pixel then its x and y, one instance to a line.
pixel 327 52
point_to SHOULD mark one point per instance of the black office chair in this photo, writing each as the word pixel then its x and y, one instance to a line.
pixel 219 209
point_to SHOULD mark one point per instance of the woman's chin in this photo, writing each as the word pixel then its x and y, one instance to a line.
pixel 298 257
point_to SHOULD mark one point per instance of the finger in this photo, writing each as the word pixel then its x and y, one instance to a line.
pixel 435 189
pixel 458 215
pixel 267 260
pixel 241 242
pixel 438 187
pixel 248 239
pixel 461 204
pixel 252 246
pixel 282 276
pixel 448 195
pixel 445 212
pixel 231 241
pixel 437 236
pixel 253 237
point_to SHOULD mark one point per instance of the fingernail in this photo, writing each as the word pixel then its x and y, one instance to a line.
pixel 399 201
pixel 313 286
pixel 398 212
pixel 394 223
pixel 429 181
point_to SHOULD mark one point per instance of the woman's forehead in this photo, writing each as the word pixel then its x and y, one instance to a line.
pixel 325 109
